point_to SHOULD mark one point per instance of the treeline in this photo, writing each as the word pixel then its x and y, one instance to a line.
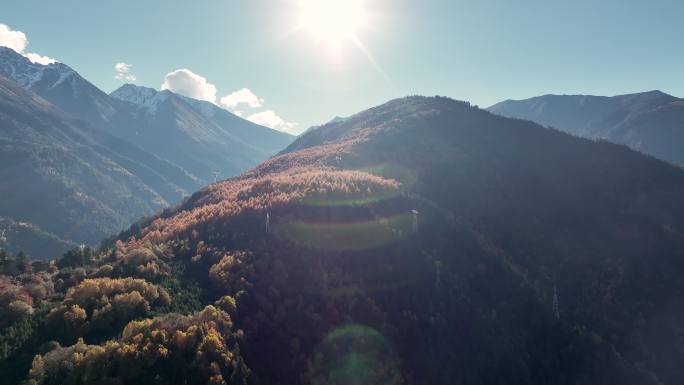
pixel 13 264
pixel 85 294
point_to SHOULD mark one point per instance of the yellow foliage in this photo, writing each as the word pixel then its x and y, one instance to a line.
pixel 106 300
pixel 144 349
pixel 231 272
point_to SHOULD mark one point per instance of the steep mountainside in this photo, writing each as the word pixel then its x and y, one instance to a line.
pixel 423 241
pixel 60 85
pixel 71 179
pixel 196 136
pixel 166 145
pixel 651 122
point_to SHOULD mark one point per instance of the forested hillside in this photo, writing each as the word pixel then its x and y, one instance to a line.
pixel 79 165
pixel 71 179
pixel 424 241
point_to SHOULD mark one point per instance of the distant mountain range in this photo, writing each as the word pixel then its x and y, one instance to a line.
pixel 74 180
pixel 80 164
pixel 197 135
pixel 650 122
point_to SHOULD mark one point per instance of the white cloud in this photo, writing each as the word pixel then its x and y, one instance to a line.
pixel 35 58
pixel 18 41
pixel 39 59
pixel 243 96
pixel 270 119
pixel 188 83
pixel 123 72
pixel 13 39
pixel 192 85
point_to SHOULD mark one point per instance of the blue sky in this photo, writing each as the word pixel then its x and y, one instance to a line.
pixel 482 51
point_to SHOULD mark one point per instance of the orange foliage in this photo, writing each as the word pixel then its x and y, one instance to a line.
pixel 261 192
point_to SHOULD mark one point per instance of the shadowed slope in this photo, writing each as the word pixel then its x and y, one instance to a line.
pixel 651 122
pixel 422 241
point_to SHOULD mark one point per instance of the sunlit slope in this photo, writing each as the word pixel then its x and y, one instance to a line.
pixel 420 242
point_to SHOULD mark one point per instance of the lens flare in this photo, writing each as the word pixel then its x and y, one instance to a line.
pixel 395 171
pixel 347 236
pixel 355 354
pixel 348 200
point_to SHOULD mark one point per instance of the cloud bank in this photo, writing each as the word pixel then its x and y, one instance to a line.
pixel 270 119
pixel 243 102
pixel 245 98
pixel 18 41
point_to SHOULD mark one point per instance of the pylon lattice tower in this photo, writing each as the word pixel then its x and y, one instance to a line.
pixel 556 305
pixel 415 220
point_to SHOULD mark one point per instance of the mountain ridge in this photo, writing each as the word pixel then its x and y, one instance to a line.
pixel 167 154
pixel 651 122
pixel 196 142
pixel 416 230
pixel 54 162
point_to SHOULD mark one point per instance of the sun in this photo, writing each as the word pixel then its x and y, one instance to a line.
pixel 332 21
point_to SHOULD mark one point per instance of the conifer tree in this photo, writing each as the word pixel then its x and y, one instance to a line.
pixel 21 261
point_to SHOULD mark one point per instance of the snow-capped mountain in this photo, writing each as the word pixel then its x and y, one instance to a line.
pixel 26 73
pixel 98 161
pixel 141 97
pixel 71 179
pixel 61 85
pixel 198 135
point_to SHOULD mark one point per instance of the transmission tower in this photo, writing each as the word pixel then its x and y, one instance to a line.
pixel 216 175
pixel 415 220
pixel 268 222
pixel 556 305
pixel 438 272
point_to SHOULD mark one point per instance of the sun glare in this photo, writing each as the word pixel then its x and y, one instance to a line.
pixel 332 21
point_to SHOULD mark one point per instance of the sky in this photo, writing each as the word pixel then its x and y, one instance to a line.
pixel 291 64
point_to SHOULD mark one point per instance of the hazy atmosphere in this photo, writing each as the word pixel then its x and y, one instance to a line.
pixel 483 52
pixel 341 192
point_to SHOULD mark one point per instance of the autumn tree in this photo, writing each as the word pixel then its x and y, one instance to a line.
pixel 105 304
pixel 199 349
